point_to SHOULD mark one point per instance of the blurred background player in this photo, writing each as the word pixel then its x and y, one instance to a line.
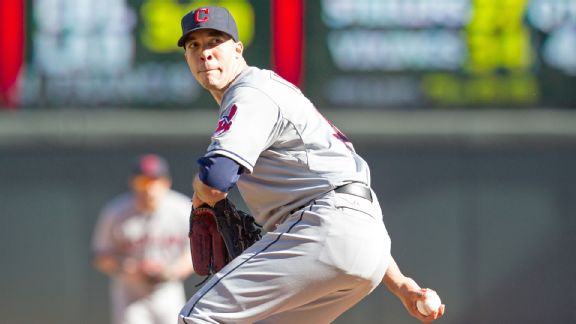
pixel 141 242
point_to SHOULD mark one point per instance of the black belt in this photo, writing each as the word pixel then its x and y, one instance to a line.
pixel 356 189
pixel 353 188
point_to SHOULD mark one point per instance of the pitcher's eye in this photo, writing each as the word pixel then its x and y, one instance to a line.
pixel 216 41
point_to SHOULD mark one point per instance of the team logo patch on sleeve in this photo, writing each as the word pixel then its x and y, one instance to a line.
pixel 225 122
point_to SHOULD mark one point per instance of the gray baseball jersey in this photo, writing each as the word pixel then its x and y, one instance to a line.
pixel 125 232
pixel 324 249
pixel 291 153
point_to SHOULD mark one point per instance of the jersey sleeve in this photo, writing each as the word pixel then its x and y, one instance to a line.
pixel 247 126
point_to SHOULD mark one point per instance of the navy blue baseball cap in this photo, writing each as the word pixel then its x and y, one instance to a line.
pixel 218 18
pixel 151 165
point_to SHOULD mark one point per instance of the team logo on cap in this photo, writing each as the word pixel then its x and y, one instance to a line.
pixel 225 122
pixel 201 15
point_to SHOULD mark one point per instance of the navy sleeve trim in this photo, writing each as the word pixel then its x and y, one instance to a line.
pixel 219 172
pixel 232 155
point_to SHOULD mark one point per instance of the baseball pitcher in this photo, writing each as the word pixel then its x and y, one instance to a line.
pixel 325 246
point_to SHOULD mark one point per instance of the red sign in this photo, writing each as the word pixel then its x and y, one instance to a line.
pixel 12 53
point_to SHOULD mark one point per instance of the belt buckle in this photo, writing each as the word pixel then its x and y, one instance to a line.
pixel 356 189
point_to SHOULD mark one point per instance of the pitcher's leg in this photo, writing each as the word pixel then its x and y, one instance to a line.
pixel 325 309
pixel 359 246
pixel 277 273
pixel 292 267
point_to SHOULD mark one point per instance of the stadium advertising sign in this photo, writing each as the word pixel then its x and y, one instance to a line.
pixel 377 54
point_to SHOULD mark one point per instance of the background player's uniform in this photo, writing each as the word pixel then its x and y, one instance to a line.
pixel 324 251
pixel 124 231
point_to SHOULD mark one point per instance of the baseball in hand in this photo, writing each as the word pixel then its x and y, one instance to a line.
pixel 430 304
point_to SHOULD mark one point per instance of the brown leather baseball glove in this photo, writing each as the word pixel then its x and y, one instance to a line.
pixel 219 234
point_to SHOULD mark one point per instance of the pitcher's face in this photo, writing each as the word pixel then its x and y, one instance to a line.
pixel 213 58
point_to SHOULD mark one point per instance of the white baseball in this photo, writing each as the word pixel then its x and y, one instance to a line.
pixel 430 304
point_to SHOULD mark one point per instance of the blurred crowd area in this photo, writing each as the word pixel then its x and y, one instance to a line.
pixel 370 54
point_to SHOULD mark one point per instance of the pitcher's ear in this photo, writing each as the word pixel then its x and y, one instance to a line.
pixel 239 47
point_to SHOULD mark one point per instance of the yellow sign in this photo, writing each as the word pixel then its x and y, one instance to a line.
pixel 497 37
pixel 446 89
pixel 161 20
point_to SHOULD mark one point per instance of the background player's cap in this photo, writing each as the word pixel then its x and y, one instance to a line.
pixel 218 18
pixel 151 165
